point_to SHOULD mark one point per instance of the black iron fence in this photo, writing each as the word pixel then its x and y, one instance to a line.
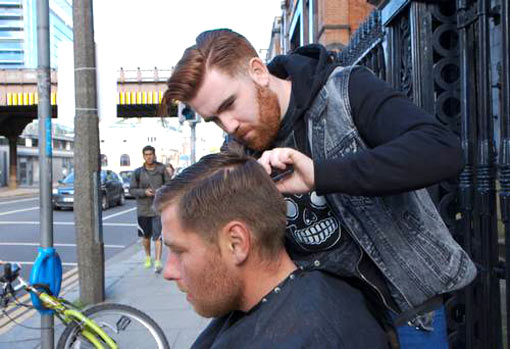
pixel 452 59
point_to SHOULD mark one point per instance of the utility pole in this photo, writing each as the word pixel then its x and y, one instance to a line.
pixel 185 113
pixel 193 125
pixel 45 151
pixel 87 208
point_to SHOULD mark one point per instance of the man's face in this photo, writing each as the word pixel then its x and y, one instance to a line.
pixel 212 288
pixel 240 107
pixel 149 157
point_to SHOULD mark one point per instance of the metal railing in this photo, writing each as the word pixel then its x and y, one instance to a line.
pixel 451 58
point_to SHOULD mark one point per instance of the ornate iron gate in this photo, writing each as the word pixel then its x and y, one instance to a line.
pixel 452 59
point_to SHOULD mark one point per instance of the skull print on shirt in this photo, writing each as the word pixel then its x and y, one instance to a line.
pixel 311 225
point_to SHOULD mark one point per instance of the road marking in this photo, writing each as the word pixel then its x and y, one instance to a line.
pixel 65 264
pixel 20 314
pixel 16 201
pixel 119 213
pixel 65 223
pixel 37 207
pixel 55 245
pixel 22 210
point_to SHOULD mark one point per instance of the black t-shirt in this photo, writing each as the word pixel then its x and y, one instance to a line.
pixel 309 309
pixel 314 232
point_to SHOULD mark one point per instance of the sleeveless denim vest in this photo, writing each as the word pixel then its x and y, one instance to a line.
pixel 403 234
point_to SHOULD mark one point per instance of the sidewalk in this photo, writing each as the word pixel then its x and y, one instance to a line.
pixel 127 282
pixel 5 192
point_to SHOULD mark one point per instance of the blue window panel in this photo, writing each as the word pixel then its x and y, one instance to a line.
pixel 11 45
pixel 10 23
pixel 9 56
pixel 11 34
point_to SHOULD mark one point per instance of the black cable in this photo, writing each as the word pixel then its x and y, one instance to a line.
pixel 25 326
pixel 21 340
pixel 18 303
pixel 30 327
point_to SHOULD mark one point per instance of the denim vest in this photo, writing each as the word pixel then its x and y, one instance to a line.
pixel 403 234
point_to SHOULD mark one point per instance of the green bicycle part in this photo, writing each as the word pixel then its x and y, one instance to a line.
pixel 51 302
pixel 91 328
pixel 92 338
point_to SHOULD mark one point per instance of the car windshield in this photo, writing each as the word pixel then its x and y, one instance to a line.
pixel 126 176
pixel 70 179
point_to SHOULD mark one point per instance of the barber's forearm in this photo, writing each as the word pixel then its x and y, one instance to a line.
pixel 393 168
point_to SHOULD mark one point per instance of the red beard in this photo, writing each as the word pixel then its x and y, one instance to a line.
pixel 268 126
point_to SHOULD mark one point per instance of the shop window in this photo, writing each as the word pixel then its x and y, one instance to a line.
pixel 124 160
pixel 104 160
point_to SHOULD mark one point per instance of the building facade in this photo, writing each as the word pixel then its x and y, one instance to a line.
pixel 27 158
pixel 327 22
pixel 19 156
pixel 18 31
pixel 122 142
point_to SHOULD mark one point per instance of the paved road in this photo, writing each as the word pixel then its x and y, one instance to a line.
pixel 20 231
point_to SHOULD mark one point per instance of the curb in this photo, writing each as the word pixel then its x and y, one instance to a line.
pixel 10 194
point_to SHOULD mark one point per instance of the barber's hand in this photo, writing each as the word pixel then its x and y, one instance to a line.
pixel 149 192
pixel 301 180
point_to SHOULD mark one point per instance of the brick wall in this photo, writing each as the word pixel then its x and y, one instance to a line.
pixel 338 19
pixel 334 22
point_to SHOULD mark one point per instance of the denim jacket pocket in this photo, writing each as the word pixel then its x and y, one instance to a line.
pixel 345 146
pixel 435 252
pixel 360 201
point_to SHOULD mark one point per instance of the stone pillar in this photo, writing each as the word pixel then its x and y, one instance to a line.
pixel 13 162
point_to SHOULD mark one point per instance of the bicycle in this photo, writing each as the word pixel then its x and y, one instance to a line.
pixel 106 325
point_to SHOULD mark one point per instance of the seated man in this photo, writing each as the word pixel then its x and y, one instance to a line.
pixel 224 224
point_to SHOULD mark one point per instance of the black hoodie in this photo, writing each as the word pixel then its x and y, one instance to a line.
pixel 408 148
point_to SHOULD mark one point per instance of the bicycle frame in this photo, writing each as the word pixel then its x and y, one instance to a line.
pixel 88 325
pixel 90 330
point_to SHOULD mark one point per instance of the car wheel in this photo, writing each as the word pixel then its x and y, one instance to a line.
pixel 104 202
pixel 56 208
pixel 122 199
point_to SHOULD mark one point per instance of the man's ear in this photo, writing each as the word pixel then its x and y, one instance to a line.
pixel 235 242
pixel 258 72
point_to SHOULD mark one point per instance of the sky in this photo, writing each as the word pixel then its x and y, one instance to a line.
pixel 153 33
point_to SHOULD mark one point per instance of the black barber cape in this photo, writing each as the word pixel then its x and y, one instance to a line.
pixel 309 309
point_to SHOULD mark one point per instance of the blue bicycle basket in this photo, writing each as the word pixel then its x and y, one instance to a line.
pixel 47 270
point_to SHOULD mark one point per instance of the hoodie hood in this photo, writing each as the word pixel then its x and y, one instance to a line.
pixel 308 68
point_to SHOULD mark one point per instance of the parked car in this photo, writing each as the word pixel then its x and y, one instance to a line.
pixel 111 190
pixel 126 179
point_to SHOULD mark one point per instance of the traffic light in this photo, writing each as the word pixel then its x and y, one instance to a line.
pixel 185 113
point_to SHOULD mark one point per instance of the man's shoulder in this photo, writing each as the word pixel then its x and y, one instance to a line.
pixel 326 288
pixel 310 309
pixel 346 71
pixel 160 166
pixel 136 172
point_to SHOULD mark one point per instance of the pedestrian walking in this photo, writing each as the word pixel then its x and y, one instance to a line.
pixel 144 183
pixel 362 154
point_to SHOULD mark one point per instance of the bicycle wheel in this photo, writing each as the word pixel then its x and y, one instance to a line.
pixel 128 326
